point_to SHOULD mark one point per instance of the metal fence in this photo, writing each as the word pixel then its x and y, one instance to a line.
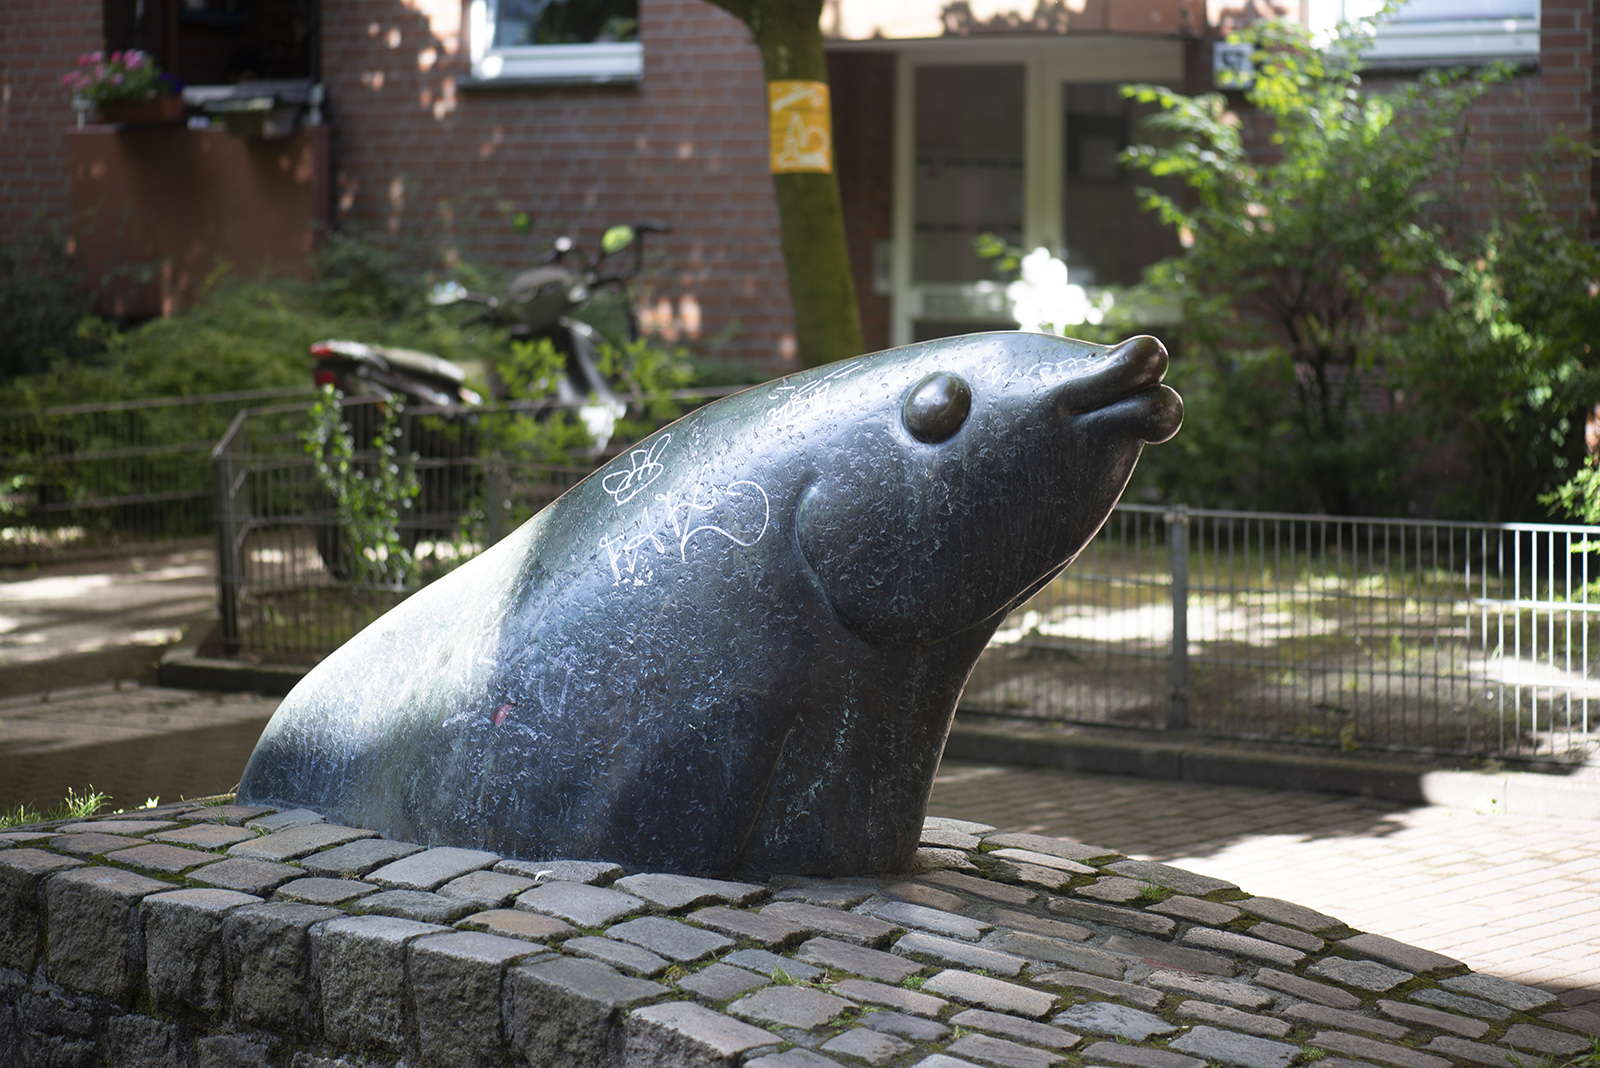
pixel 86 476
pixel 1451 638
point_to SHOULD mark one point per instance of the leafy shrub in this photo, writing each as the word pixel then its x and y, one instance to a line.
pixel 41 305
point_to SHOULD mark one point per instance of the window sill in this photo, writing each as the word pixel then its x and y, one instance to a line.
pixel 619 63
pixel 1417 45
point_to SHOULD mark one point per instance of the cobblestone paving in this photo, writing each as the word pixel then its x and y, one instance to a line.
pixel 1513 896
pixel 1009 949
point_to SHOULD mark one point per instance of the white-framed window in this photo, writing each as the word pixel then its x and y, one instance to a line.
pixel 555 42
pixel 1427 33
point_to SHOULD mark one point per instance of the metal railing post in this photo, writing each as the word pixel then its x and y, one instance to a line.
pixel 1177 522
pixel 223 490
pixel 495 502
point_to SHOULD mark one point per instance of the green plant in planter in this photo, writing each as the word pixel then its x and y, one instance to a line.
pixel 129 77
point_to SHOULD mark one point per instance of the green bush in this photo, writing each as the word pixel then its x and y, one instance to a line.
pixel 41 305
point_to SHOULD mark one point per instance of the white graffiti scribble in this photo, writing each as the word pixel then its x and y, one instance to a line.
pixel 795 401
pixel 672 521
pixel 644 468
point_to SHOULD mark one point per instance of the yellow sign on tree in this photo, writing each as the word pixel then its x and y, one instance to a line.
pixel 802 127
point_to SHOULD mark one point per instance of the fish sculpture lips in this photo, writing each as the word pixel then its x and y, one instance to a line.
pixel 1129 388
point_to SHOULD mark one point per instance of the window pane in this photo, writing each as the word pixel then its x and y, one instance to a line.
pixel 1109 238
pixel 519 23
pixel 968 168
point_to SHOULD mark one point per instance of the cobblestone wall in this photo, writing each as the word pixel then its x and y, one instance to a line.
pixel 215 936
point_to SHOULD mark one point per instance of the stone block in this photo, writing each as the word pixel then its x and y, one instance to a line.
pixel 1243 946
pixel 943 1060
pixel 1287 936
pixel 622 955
pixel 843 893
pixel 233 1051
pixel 1146 923
pixel 1113 889
pixel 419 905
pixel 849 926
pixel 858 960
pixel 1064 848
pixel 1164 954
pixel 1372 1050
pixel 912 1027
pixel 1407 958
pixel 1323 1016
pixel 1501 991
pixel 681 1033
pixel 895 997
pixel 566 1011
pixel 985 888
pixel 987 993
pixel 1241 995
pixel 794 1058
pixel 1229 1047
pixel 269 956
pixel 205 836
pixel 1109 1018
pixel 1138 1056
pixel 1444 999
pixel 236 814
pixel 1224 1016
pixel 361 965
pixel 96 945
pixel 1584 1019
pixel 294 842
pixel 23 872
pixel 1041 860
pixel 865 1044
pixel 1287 912
pixel 947 823
pixel 670 938
pixel 674 892
pixel 933 836
pixel 770 965
pixel 1184 882
pixel 162 859
pixel 259 877
pixel 1054 951
pixel 486 889
pixel 513 923
pixel 1308 989
pixel 768 930
pixel 790 1006
pixel 277 821
pixel 580 903
pixel 721 982
pixel 1459 1050
pixel 431 868
pixel 1366 974
pixel 915 892
pixel 91 844
pixel 128 827
pixel 1196 910
pixel 183 946
pixel 593 872
pixel 1026 1030
pixel 1111 988
pixel 357 858
pixel 1039 925
pixel 965 954
pixel 135 1041
pixel 456 988
pixel 1444 1021
pixel 937 921
pixel 999 1051
pixel 1543 1040
pixel 319 891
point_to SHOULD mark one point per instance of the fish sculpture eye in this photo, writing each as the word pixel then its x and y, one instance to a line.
pixel 937 407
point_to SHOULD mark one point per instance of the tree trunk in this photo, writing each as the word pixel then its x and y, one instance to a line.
pixel 821 289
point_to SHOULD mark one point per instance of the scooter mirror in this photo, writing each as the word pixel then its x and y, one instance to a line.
pixel 615 239
pixel 447 293
pixel 562 244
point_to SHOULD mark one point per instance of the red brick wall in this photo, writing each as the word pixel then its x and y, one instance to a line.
pixel 688 146
pixel 862 85
pixel 38 44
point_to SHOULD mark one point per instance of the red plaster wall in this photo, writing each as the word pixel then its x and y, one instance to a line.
pixel 688 146
pixel 38 44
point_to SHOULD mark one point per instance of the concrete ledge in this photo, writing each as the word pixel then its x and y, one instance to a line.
pixel 183 668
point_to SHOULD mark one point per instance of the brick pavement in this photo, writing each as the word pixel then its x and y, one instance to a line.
pixel 1513 896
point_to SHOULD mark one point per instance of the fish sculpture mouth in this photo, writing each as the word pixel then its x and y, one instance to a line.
pixel 1129 390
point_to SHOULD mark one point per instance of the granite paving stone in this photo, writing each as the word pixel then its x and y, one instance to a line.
pixel 721 982
pixel 1542 1040
pixel 895 997
pixel 1128 919
pixel 1112 988
pixel 1197 909
pixel 987 993
pixel 23 872
pixel 682 1032
pixel 269 953
pixel 1113 889
pixel 205 835
pixel 915 892
pixel 416 905
pixel 948 823
pixel 791 1006
pixel 1064 848
pixel 362 967
pixel 1343 1062
pixel 769 964
pixel 845 893
pixel 259 877
pixel 912 1027
pixel 1323 1016
pixel 1042 860
pixel 279 821
pixel 951 951
pixel 1578 1019
pixel 1137 1056
pixel 26 837
pixel 1408 958
pixel 315 890
pixel 1165 954
pixel 1444 999
pixel 858 960
pixel 1243 945
pixel 128 827
pixel 235 814
pixel 431 868
pixel 1040 925
pixel 1025 1030
pixel 623 955
pixel 865 1044
pixel 944 1060
pixel 1502 991
pixel 1287 936
pixel 1240 995
pixel 1460 1049
pixel 1054 951
pixel 999 1051
pixel 969 884
pixel 770 931
pixel 486 889
pixel 357 858
pixel 292 843
pixel 456 982
pixel 564 1011
pixel 1373 1050
pixel 794 1058
pixel 1287 913
pixel 89 844
pixel 1230 1047
pixel 580 903
pixel 1184 882
pixel 1225 1016
pixel 850 926
pixel 1033 875
pixel 1444 1021
pixel 674 892
pixel 183 945
pixel 949 839
pixel 94 930
pixel 1308 989
pixel 592 872
pixel 513 923
pixel 673 940
pixel 1109 1018
pixel 907 915
pixel 165 859
pixel 1366 974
